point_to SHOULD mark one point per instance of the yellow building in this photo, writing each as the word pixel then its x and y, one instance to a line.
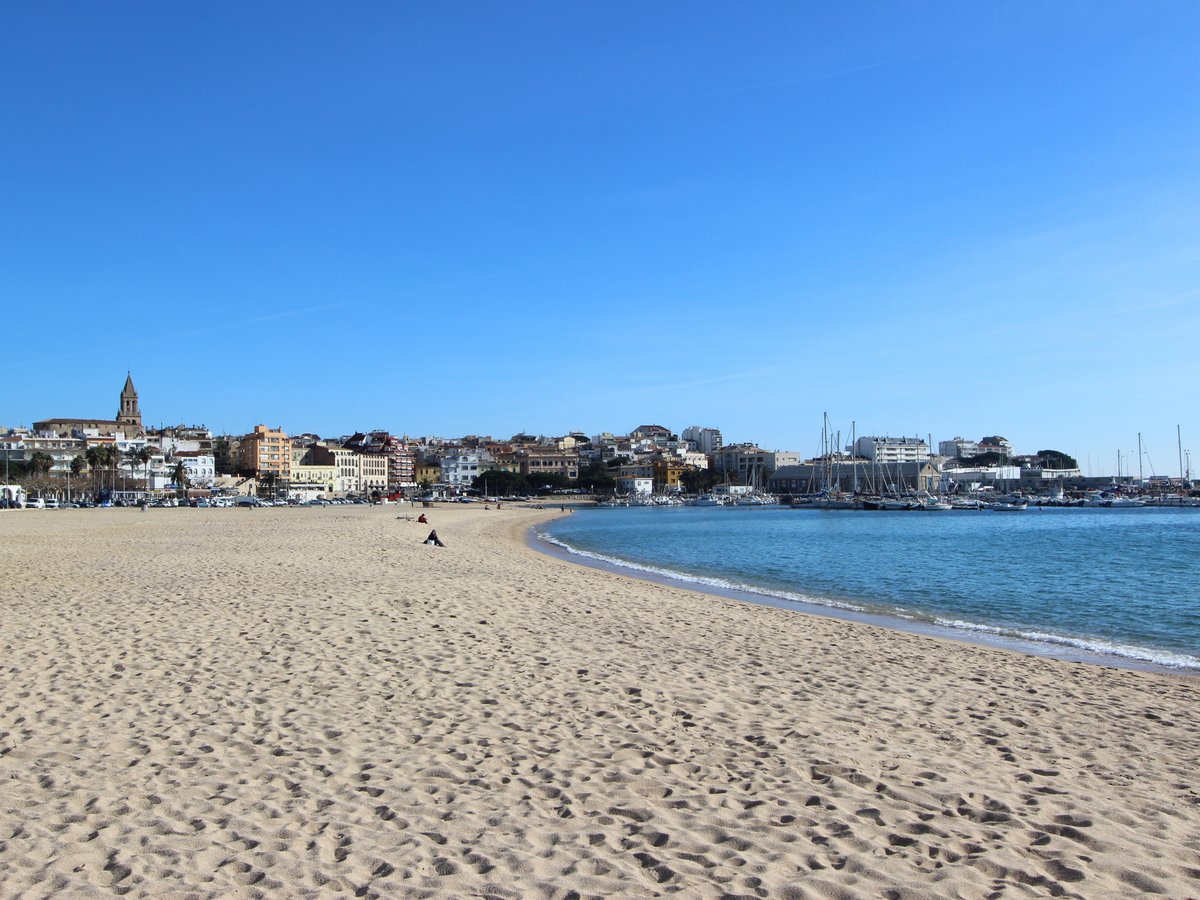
pixel 266 454
pixel 372 472
pixel 310 480
pixel 668 473
pixel 427 473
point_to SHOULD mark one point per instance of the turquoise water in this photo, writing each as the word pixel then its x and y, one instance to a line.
pixel 1124 584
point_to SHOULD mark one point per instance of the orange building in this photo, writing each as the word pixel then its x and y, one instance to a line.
pixel 266 454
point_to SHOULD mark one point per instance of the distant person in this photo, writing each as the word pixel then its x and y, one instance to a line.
pixel 434 539
pixel 421 518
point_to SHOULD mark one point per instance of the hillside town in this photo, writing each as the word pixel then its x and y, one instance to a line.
pixel 121 461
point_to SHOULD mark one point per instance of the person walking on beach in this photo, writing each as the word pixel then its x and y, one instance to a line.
pixel 434 539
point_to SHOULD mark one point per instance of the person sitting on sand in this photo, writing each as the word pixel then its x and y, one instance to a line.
pixel 434 539
pixel 421 518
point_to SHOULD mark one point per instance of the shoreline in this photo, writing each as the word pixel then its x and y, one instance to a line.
pixel 980 637
pixel 303 701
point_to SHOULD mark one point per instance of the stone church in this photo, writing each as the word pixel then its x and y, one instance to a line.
pixel 127 423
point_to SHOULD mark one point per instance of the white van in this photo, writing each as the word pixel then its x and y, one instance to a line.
pixel 51 503
pixel 35 503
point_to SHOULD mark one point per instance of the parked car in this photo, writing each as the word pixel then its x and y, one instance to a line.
pixel 35 503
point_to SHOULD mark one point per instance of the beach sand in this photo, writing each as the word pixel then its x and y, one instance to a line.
pixel 292 702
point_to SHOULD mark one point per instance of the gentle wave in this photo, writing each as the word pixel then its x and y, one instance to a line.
pixel 1162 658
pixel 718 583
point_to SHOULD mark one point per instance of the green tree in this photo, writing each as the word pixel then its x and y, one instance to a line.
pixel 40 464
pixel 501 483
pixel 179 476
pixel 991 458
pixel 95 461
pixel 133 458
pixel 78 466
pixel 697 481
pixel 1056 459
pixel 144 455
pixel 110 456
pixel 540 482
pixel 597 479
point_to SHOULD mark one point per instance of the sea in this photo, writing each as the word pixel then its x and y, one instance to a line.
pixel 1111 586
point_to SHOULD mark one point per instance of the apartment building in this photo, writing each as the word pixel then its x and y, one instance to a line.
pixel 959 448
pixel 534 461
pixel 353 472
pixel 462 468
pixel 61 448
pixel 401 463
pixel 265 454
pixel 748 463
pixel 706 440
pixel 994 443
pixel 890 450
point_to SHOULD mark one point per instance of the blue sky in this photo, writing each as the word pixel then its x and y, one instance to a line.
pixel 924 218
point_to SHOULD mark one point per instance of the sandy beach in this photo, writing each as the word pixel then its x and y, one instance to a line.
pixel 308 702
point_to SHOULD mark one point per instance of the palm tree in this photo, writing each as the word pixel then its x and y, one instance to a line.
pixel 78 465
pixel 130 458
pixel 179 476
pixel 95 459
pixel 40 463
pixel 108 457
pixel 144 455
pixel 101 457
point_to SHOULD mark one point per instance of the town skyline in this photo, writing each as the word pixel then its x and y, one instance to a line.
pixel 833 438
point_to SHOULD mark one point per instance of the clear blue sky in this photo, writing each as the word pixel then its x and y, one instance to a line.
pixel 927 218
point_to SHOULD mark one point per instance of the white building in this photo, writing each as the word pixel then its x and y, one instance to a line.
pixel 888 450
pixel 61 449
pixel 959 448
pixel 974 478
pixel 201 467
pixel 995 444
pixel 705 440
pixel 461 469
pixel 780 458
pixel 632 485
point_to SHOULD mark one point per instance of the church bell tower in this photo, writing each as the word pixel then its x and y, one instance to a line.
pixel 129 415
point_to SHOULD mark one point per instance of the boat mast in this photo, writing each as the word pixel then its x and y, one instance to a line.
pixel 854 458
pixel 1179 444
pixel 1140 482
pixel 825 450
